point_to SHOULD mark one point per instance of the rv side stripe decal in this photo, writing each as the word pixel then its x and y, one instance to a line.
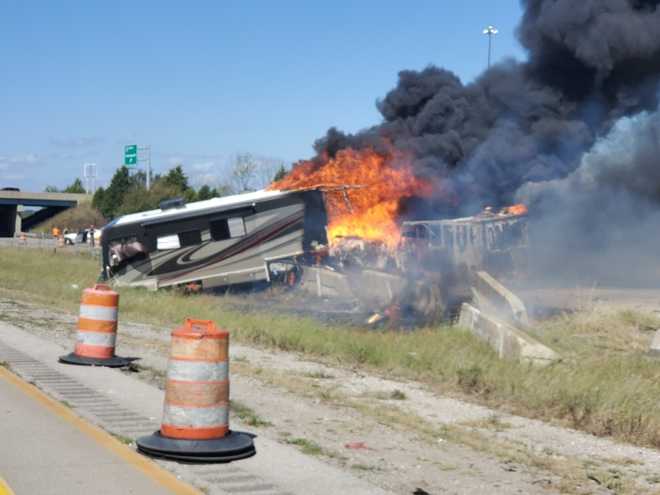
pixel 248 242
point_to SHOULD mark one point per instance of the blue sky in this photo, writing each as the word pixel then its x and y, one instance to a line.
pixel 201 81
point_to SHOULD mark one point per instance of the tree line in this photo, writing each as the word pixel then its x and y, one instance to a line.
pixel 127 193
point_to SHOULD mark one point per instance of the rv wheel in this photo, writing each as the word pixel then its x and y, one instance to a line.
pixel 293 276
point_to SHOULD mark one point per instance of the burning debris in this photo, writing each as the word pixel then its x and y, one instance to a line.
pixel 429 273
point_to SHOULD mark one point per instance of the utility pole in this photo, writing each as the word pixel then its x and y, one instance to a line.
pixel 490 31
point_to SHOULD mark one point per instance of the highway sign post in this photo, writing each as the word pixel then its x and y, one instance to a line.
pixel 130 156
pixel 134 154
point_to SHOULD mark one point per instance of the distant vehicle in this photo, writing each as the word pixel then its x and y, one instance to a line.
pixel 81 237
pixel 10 189
pixel 217 242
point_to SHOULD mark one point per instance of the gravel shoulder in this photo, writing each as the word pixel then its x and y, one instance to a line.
pixel 398 435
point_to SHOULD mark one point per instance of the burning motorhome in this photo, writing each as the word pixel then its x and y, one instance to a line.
pixel 334 230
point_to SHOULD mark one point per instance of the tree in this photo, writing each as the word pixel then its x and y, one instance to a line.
pixel 76 187
pixel 281 173
pixel 141 200
pixel 98 198
pixel 113 196
pixel 205 192
pixel 171 185
pixel 223 190
pixel 138 180
pixel 51 189
pixel 243 172
pixel 177 179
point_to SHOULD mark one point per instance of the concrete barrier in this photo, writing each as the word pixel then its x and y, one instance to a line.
pixel 508 341
pixel 492 296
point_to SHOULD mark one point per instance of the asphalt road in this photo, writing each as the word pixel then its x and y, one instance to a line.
pixel 46 450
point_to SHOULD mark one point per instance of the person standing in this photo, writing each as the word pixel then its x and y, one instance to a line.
pixel 92 241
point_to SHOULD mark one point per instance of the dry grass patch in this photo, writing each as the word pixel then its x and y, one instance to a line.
pixel 248 415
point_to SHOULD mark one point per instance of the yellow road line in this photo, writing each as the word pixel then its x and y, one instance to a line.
pixel 149 468
pixel 5 489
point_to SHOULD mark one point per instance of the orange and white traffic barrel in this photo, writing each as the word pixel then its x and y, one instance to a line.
pixel 197 389
pixel 195 426
pixel 97 329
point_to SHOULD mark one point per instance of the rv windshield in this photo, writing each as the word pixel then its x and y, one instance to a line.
pixel 120 251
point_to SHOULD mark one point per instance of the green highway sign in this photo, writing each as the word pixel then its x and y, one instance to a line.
pixel 130 155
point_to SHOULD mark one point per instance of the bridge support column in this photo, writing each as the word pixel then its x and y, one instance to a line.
pixel 19 221
pixel 8 220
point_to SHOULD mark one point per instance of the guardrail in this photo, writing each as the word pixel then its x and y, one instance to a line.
pixel 38 241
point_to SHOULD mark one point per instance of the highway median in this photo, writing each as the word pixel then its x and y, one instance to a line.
pixel 605 384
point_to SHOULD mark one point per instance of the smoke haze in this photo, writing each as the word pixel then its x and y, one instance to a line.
pixel 555 131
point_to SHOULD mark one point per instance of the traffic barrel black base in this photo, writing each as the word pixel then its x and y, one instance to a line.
pixel 113 362
pixel 233 446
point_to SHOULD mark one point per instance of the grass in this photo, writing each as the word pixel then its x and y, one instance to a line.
pixel 492 422
pixel 123 439
pixel 306 446
pixel 318 375
pixel 398 395
pixel 395 394
pixel 364 467
pixel 604 385
pixel 310 447
pixel 248 415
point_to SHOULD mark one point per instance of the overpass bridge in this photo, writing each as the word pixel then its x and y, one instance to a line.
pixel 50 203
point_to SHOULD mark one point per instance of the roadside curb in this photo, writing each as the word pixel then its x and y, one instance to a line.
pixel 101 437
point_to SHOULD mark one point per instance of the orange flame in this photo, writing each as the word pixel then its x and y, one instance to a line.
pixel 363 190
pixel 519 209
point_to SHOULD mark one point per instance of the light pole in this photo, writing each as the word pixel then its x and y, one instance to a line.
pixel 490 31
pixel 89 173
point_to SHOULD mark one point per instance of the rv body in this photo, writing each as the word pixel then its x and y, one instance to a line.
pixel 217 242
pixel 497 243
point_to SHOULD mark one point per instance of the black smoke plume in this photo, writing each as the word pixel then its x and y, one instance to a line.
pixel 590 63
